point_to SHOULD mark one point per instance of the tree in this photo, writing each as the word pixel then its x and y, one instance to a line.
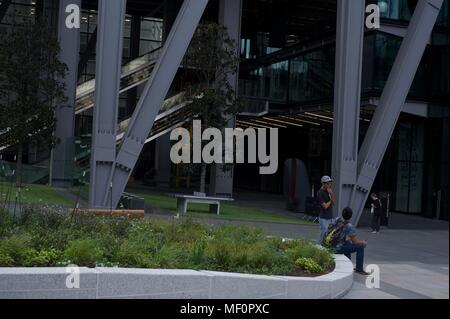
pixel 30 86
pixel 213 56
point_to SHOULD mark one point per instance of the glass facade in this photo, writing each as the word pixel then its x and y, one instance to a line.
pixel 309 77
pixel 410 167
pixel 402 10
pixel 301 79
pixel 150 38
pixel 19 12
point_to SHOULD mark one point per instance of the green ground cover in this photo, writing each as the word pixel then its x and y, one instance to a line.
pixel 51 237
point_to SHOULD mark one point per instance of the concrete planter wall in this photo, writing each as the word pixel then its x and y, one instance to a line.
pixel 43 283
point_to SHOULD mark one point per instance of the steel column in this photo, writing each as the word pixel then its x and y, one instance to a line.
pixel 107 81
pixel 392 100
pixel 230 16
pixel 347 98
pixel 153 95
pixel 62 154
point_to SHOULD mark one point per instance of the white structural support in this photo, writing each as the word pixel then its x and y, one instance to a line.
pixel 107 85
pixel 392 100
pixel 347 98
pixel 152 98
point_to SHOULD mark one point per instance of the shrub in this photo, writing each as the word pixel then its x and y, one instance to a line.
pixel 306 249
pixel 171 256
pixel 83 252
pixel 13 249
pixel 6 223
pixel 46 218
pixel 198 252
pixel 183 232
pixel 140 245
pixel 6 260
pixel 43 258
pixel 308 265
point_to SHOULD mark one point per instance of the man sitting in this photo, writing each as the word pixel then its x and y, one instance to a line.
pixel 350 243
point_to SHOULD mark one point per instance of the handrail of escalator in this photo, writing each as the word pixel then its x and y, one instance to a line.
pixel 127 69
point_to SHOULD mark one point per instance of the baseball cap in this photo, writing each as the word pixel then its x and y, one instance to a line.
pixel 326 179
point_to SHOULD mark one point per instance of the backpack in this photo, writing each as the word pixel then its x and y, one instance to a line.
pixel 335 234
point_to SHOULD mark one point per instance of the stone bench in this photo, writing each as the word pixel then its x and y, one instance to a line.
pixel 214 202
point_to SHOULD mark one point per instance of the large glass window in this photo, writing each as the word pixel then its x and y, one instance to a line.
pixel 312 75
pixel 151 35
pixel 410 166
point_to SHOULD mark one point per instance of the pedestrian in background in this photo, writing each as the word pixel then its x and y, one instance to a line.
pixel 326 201
pixel 375 210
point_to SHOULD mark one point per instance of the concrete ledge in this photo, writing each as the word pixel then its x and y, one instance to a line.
pixel 101 283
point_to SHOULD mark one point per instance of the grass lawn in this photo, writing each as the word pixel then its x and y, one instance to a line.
pixel 227 210
pixel 34 194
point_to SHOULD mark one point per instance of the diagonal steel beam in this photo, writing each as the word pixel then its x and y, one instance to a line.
pixel 107 85
pixel 153 95
pixel 392 100
pixel 347 98
pixel 4 8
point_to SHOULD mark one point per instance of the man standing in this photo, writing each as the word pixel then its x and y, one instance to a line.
pixel 326 200
pixel 376 213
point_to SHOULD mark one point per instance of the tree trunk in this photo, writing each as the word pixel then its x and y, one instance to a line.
pixel 203 165
pixel 203 178
pixel 19 164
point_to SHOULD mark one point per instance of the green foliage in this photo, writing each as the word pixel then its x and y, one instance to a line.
pixel 6 223
pixel 308 250
pixel 30 85
pixel 309 265
pixel 6 260
pixel 13 249
pixel 83 252
pixel 30 74
pixel 198 252
pixel 54 238
pixel 214 57
pixel 43 258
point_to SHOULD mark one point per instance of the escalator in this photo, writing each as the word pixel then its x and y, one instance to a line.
pixel 134 73
pixel 173 113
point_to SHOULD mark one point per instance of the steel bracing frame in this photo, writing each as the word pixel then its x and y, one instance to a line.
pixel 386 114
pixel 354 172
pixel 111 173
pixel 107 84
